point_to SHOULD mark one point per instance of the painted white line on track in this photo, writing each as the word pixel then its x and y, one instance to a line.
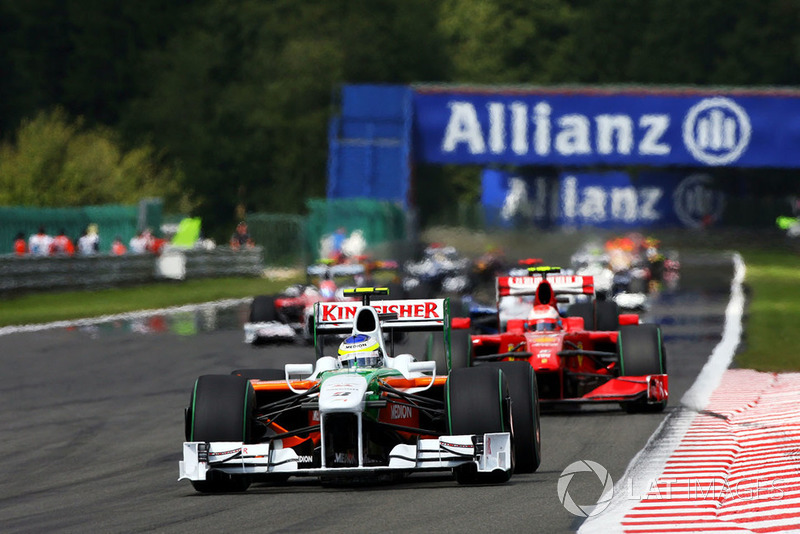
pixel 649 463
pixel 225 303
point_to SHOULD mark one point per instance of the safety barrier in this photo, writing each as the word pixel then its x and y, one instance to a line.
pixel 19 274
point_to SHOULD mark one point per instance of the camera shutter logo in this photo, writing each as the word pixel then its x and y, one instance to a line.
pixel 586 510
pixel 716 131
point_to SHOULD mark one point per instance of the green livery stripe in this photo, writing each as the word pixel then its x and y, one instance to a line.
pixel 244 417
pixel 194 404
pixel 621 356
pixel 500 387
pixel 449 411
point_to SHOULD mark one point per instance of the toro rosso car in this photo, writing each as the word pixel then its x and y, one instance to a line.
pixel 591 355
pixel 290 315
pixel 365 413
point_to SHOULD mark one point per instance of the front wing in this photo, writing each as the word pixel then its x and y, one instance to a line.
pixel 652 389
pixel 488 452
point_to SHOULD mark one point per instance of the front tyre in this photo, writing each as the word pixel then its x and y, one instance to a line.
pixel 641 352
pixel 478 402
pixel 221 409
pixel 524 413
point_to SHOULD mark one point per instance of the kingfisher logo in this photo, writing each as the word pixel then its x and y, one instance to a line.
pixel 716 131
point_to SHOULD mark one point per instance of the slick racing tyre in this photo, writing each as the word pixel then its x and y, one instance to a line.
pixel 460 350
pixel 606 315
pixel 524 414
pixel 641 352
pixel 221 409
pixel 600 315
pixel 478 403
pixel 262 310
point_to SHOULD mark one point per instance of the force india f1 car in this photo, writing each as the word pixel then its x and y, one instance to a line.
pixel 593 355
pixel 365 415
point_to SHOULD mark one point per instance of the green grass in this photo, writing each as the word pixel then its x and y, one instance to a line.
pixel 771 339
pixel 47 307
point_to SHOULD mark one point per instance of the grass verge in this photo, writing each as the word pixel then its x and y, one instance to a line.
pixel 47 307
pixel 770 341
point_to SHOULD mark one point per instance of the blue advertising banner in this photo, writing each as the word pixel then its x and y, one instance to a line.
pixel 604 200
pixel 597 127
pixel 658 199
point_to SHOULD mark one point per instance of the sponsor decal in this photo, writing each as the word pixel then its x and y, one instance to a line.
pixel 696 204
pixel 716 131
pixel 401 411
pixel 332 312
pixel 521 129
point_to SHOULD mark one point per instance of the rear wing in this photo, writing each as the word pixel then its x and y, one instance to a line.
pixel 562 284
pixel 343 269
pixel 400 315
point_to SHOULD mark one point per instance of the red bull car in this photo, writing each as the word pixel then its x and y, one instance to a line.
pixel 590 354
pixel 367 413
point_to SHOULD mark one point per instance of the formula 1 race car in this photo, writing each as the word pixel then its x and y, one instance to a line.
pixel 365 415
pixel 593 354
pixel 441 270
pixel 290 315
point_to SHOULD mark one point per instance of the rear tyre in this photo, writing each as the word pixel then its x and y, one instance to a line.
pixel 262 310
pixel 524 414
pixel 641 353
pixel 460 350
pixel 584 310
pixel 607 315
pixel 221 409
pixel 600 315
pixel 478 402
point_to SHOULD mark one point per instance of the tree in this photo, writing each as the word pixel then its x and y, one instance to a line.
pixel 55 163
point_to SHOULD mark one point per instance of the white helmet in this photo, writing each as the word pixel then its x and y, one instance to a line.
pixel 360 350
pixel 543 318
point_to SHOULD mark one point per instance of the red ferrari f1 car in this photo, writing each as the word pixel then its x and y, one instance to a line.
pixel 590 354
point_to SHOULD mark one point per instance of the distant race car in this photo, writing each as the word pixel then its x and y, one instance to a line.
pixel 289 316
pixel 591 355
pixel 365 414
pixel 440 271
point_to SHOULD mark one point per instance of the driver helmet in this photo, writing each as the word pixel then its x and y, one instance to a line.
pixel 544 318
pixel 360 350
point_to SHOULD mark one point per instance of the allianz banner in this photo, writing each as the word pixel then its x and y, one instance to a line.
pixel 597 127
pixel 605 200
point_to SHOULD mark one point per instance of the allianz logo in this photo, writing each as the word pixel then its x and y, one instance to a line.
pixel 715 131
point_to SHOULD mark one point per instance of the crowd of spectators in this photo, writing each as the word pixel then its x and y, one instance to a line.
pixel 43 244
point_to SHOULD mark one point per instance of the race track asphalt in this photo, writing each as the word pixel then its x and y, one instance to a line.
pixel 92 422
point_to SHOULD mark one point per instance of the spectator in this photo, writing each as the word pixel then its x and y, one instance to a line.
pixel 89 242
pixel 241 238
pixel 39 243
pixel 138 243
pixel 20 245
pixel 118 247
pixel 62 245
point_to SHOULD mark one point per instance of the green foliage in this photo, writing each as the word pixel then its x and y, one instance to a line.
pixel 55 163
pixel 237 94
